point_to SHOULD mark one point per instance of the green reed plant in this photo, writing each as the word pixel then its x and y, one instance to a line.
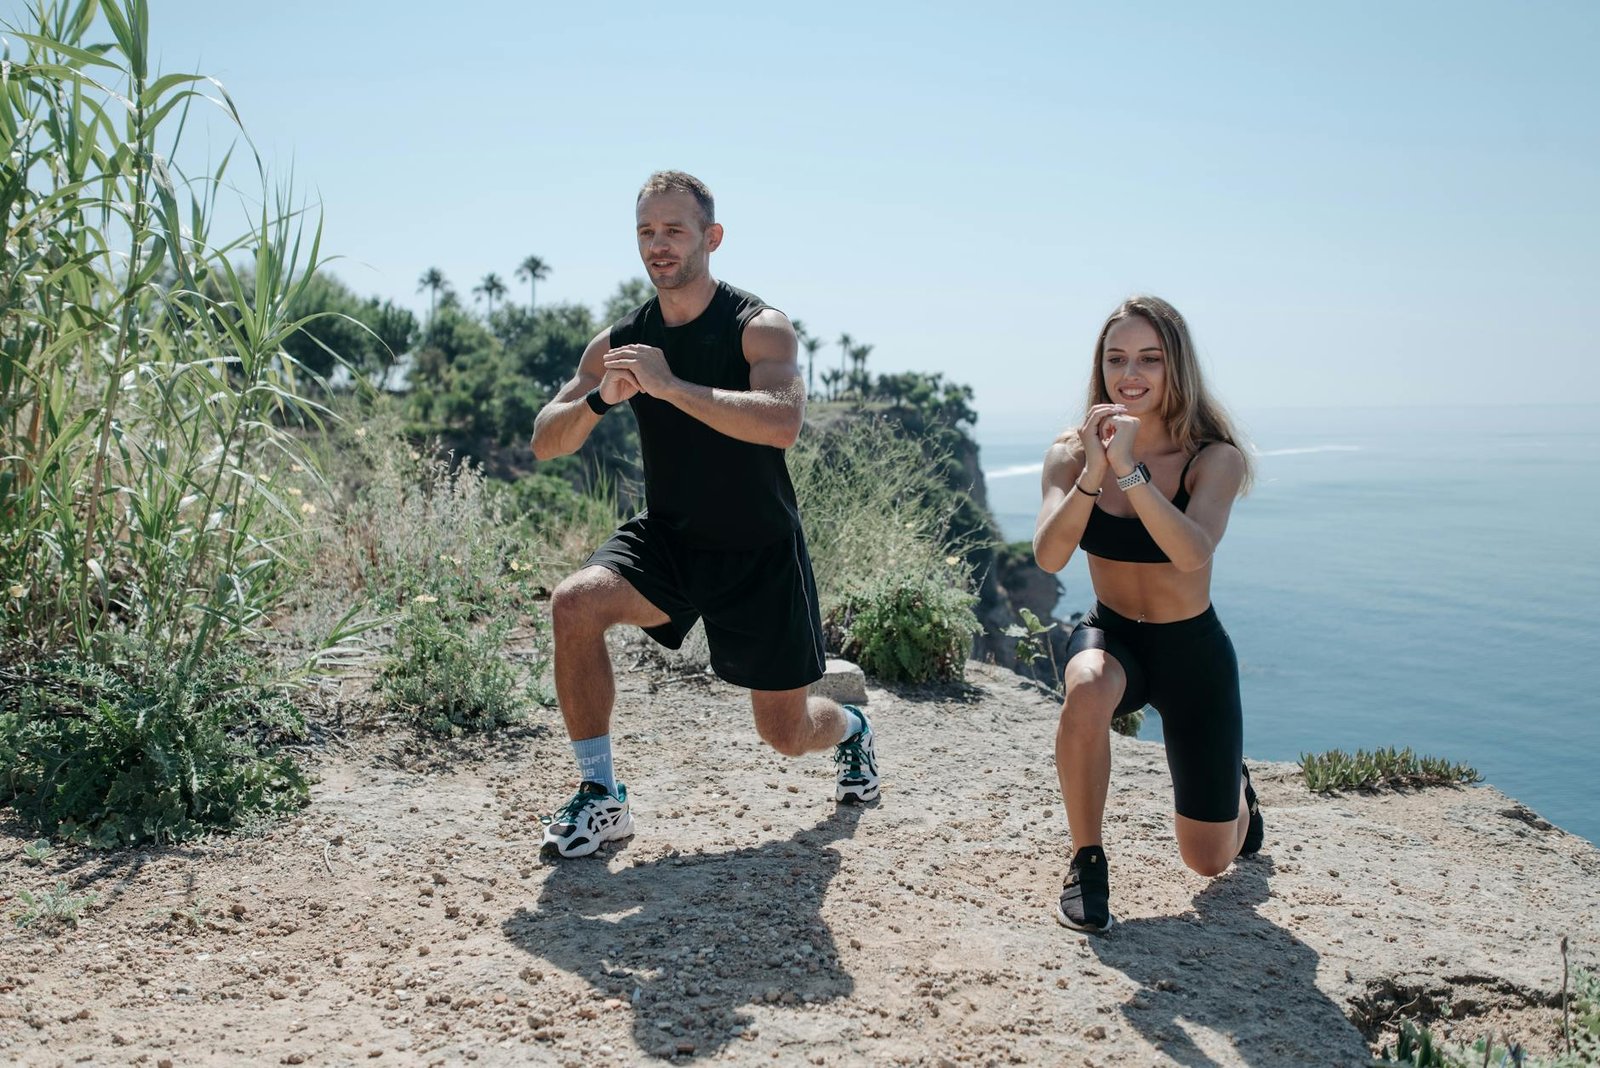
pixel 145 401
pixel 143 386
pixel 1362 770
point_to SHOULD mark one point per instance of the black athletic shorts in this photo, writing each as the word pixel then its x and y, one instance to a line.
pixel 1187 671
pixel 759 605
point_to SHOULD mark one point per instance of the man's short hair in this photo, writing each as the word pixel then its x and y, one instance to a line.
pixel 681 182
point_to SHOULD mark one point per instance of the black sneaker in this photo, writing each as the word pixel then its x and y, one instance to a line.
pixel 594 815
pixel 1085 903
pixel 1257 830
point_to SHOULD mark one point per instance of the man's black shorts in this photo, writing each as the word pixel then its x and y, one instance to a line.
pixel 759 605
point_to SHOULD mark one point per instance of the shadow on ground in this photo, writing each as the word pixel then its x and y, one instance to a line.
pixel 685 941
pixel 1224 976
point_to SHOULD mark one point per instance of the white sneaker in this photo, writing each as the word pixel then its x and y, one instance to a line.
pixel 591 817
pixel 856 764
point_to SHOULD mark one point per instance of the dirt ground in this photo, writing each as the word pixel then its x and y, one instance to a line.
pixel 404 918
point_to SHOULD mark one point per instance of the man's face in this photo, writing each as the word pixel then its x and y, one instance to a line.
pixel 675 249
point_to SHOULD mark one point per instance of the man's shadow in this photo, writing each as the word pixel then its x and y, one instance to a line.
pixel 1270 1011
pixel 688 939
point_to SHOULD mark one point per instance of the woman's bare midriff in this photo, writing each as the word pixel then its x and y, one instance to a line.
pixel 1150 593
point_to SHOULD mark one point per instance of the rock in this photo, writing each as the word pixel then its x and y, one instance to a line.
pixel 1097 1032
pixel 841 681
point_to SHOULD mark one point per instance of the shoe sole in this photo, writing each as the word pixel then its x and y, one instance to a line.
pixel 1061 918
pixel 551 850
pixel 855 795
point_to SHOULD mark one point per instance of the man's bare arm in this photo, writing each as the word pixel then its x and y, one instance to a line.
pixel 565 423
pixel 770 412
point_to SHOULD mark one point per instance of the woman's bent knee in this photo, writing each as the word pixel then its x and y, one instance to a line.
pixel 1094 686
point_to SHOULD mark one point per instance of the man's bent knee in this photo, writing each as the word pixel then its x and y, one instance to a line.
pixel 576 603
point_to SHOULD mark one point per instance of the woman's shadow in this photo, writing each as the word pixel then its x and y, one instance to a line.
pixel 687 940
pixel 1226 977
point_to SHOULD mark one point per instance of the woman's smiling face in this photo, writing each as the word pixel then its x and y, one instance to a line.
pixel 1134 365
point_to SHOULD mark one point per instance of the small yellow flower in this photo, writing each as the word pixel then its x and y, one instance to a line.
pixel 415 455
pixel 426 598
pixel 19 592
pixel 296 468
pixel 308 509
pixel 361 431
pixel 294 491
pixel 952 560
pixel 516 565
pixel 446 558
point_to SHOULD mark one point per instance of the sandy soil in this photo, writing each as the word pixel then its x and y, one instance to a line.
pixel 404 918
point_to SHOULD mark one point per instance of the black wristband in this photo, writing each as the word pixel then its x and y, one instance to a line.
pixel 596 404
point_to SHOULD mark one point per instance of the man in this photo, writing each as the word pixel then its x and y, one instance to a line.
pixel 712 377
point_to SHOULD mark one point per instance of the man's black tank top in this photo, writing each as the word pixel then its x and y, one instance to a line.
pixel 1124 537
pixel 714 491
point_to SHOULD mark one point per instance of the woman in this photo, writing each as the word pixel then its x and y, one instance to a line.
pixel 1144 486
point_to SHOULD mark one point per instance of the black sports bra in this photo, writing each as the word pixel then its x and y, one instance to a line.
pixel 1123 537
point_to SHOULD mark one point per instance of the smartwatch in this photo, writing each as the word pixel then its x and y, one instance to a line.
pixel 1138 476
pixel 596 404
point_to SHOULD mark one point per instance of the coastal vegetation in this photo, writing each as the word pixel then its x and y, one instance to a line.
pixel 1335 769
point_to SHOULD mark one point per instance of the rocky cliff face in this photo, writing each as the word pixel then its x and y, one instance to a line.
pixel 1011 581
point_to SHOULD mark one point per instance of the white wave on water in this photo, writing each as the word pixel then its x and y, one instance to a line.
pixel 1306 450
pixel 1013 471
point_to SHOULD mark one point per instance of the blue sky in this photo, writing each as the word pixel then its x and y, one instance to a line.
pixel 1355 204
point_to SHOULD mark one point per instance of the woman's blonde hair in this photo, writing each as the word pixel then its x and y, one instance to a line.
pixel 1192 416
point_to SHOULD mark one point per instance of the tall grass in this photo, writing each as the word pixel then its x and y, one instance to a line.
pixel 143 386
pixel 891 572
pixel 873 502
pixel 144 396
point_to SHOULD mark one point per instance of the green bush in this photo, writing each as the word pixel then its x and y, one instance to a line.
pixel 907 627
pixel 1338 770
pixel 440 566
pixel 448 676
pixel 135 752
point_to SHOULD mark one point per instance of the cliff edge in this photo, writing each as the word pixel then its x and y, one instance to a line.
pixel 404 915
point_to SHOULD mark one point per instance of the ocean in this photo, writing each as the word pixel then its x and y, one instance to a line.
pixel 1413 577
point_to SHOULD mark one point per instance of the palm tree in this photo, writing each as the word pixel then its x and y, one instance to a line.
pixel 433 280
pixel 858 357
pixel 830 379
pixel 812 345
pixel 492 288
pixel 845 341
pixel 534 270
